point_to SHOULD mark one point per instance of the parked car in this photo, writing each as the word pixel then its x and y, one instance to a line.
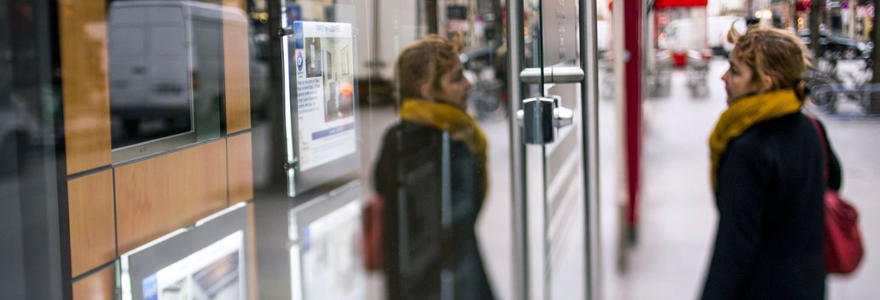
pixel 839 47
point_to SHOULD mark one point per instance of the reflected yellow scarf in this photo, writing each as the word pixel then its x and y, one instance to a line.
pixel 745 113
pixel 459 125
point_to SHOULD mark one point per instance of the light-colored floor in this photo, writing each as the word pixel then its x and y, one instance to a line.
pixel 678 216
pixel 677 212
pixel 856 140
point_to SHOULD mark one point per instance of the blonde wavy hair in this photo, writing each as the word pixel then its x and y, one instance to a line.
pixel 424 62
pixel 775 53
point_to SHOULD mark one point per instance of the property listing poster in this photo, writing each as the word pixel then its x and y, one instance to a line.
pixel 324 92
pixel 212 273
pixel 330 257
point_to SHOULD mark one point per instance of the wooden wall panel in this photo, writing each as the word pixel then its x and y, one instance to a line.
pixel 98 286
pixel 163 194
pixel 92 224
pixel 241 171
pixel 253 280
pixel 237 64
pixel 238 4
pixel 84 83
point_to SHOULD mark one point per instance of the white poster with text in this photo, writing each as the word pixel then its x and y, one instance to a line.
pixel 324 92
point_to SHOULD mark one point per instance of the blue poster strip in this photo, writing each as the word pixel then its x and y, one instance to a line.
pixel 335 130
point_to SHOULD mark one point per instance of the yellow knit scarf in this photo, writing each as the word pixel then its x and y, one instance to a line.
pixel 745 113
pixel 450 119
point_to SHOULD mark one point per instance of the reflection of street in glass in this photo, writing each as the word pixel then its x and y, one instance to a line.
pixel 151 90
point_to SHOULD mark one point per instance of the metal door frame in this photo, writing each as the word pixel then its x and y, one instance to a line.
pixel 589 110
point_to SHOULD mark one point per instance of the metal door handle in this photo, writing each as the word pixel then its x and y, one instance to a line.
pixel 541 117
pixel 562 117
pixel 557 75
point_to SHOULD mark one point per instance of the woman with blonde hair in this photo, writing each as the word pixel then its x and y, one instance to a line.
pixel 433 177
pixel 768 175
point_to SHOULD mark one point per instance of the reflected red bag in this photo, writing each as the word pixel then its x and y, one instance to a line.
pixel 843 241
pixel 372 217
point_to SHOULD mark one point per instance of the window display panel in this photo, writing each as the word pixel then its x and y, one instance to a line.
pixel 207 262
pixel 210 273
pixel 326 248
pixel 325 92
pixel 320 94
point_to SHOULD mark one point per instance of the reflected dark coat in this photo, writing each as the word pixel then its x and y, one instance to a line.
pixel 770 199
pixel 410 167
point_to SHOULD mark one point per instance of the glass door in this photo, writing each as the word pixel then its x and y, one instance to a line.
pixel 422 127
pixel 554 66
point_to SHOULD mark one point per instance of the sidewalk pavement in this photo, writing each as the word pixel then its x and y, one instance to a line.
pixel 678 218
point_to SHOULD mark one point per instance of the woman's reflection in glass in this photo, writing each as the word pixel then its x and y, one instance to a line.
pixel 433 191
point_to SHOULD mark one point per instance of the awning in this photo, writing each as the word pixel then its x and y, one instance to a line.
pixel 680 3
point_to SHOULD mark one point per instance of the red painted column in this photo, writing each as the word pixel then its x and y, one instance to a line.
pixel 633 20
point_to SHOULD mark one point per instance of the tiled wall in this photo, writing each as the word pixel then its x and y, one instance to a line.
pixel 116 208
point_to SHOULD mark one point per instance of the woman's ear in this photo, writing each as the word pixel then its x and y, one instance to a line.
pixel 766 83
pixel 427 92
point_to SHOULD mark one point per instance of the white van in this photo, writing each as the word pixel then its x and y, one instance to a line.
pixel 686 34
pixel 166 74
pixel 718 28
pixel 151 57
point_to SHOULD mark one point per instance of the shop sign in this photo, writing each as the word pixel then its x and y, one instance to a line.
pixel 660 4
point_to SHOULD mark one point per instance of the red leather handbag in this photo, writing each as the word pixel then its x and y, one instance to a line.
pixel 843 241
pixel 373 218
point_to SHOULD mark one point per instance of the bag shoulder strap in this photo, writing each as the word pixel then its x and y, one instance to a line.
pixel 824 142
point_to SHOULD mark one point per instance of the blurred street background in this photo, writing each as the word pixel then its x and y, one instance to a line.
pixel 678 217
pixel 665 254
